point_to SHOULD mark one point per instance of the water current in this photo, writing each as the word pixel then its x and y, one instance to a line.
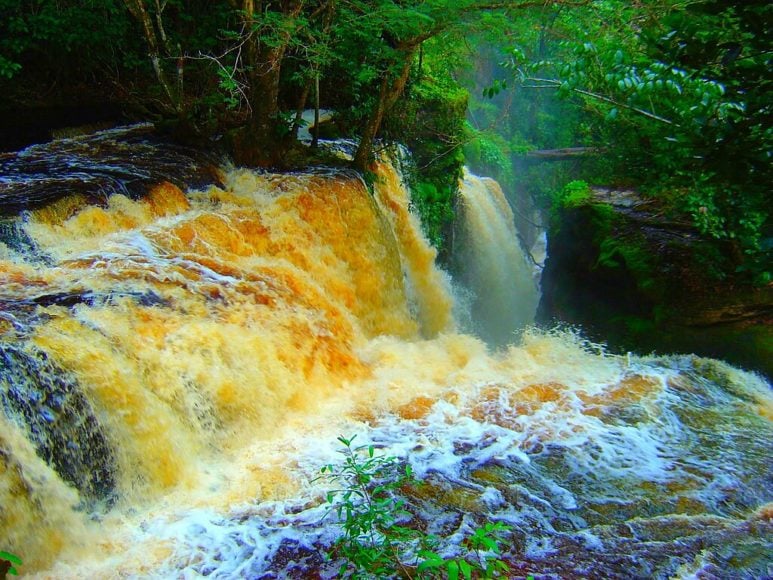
pixel 490 264
pixel 177 366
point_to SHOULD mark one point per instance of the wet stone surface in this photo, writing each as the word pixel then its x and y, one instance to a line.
pixel 125 160
pixel 44 400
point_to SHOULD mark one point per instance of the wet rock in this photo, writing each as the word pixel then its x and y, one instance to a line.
pixel 45 400
pixel 16 238
pixel 125 160
pixel 296 560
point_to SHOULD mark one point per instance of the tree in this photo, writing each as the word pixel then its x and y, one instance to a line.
pixel 268 29
pixel 387 36
pixel 679 93
pixel 159 47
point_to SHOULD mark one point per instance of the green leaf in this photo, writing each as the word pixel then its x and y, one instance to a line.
pixel 490 544
pixel 431 562
pixel 10 557
pixel 453 570
pixel 466 569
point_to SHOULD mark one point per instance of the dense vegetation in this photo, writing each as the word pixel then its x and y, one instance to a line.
pixel 671 99
pixel 670 95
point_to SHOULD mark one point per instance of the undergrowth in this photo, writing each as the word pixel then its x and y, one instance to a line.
pixel 378 540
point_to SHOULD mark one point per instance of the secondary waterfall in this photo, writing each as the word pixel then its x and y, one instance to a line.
pixel 176 367
pixel 490 263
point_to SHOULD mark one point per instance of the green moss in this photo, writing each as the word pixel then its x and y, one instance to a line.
pixel 489 153
pixel 604 216
pixel 631 254
pixel 435 208
pixel 575 194
pixel 637 325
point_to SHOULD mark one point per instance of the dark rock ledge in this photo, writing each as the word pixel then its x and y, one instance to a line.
pixel 642 281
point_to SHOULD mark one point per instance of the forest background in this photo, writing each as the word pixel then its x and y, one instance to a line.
pixel 668 96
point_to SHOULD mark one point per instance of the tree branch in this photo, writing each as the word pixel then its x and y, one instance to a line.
pixel 556 84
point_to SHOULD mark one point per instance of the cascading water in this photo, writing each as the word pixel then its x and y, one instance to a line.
pixel 490 263
pixel 177 367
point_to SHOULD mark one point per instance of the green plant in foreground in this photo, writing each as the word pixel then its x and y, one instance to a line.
pixel 374 543
pixel 483 539
pixel 7 560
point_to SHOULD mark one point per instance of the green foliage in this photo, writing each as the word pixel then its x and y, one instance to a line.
pixel 616 252
pixel 8 68
pixel 229 88
pixel 430 121
pixel 485 539
pixel 368 509
pixel 435 208
pixel 489 152
pixel 508 122
pixel 573 194
pixel 11 559
pixel 370 506
pixel 69 35
pixel 677 93
pixel 680 101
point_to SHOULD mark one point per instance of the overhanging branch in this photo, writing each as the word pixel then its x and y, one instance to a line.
pixel 552 83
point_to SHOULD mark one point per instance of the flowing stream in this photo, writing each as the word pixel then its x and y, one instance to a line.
pixel 176 367
pixel 490 263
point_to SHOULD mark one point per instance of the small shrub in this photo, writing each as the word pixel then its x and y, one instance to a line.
pixel 575 193
pixel 374 543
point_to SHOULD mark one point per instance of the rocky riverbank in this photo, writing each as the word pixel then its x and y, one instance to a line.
pixel 641 281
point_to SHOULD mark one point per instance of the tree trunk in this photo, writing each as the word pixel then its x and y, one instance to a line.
pixel 264 93
pixel 563 154
pixel 315 138
pixel 137 9
pixel 260 143
pixel 304 96
pixel 389 91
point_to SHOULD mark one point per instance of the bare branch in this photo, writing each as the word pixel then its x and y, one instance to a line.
pixel 556 84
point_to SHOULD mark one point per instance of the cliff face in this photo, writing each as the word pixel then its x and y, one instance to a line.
pixel 640 282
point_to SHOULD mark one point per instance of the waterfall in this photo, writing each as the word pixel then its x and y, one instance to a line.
pixel 491 264
pixel 428 289
pixel 177 364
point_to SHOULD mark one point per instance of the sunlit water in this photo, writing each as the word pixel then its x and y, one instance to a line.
pixel 176 370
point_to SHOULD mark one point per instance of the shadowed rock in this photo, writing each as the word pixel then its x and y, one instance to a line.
pixel 45 400
pixel 642 281
pixel 126 160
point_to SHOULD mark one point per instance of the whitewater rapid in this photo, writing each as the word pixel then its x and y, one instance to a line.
pixel 177 368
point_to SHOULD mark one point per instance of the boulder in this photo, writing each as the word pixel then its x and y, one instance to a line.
pixel 641 281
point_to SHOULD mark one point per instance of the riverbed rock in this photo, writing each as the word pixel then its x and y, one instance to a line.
pixel 640 280
pixel 127 160
pixel 45 400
